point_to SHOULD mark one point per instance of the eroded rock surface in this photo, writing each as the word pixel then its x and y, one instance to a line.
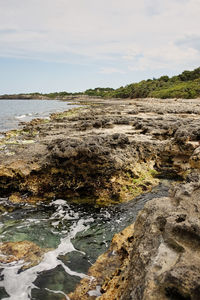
pixel 157 257
pixel 104 153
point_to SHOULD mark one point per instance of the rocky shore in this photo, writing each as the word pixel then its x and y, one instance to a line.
pixel 155 258
pixel 107 152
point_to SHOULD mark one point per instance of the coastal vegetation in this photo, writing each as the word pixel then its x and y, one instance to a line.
pixel 185 85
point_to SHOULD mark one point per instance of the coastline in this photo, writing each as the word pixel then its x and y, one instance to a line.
pixel 109 152
pixel 14 113
pixel 43 97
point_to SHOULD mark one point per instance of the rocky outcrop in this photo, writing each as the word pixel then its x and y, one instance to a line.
pixel 157 257
pixel 102 154
pixel 24 97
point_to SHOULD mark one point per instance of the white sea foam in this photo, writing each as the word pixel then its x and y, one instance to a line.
pixel 63 211
pixel 19 286
pixel 20 117
pixel 57 292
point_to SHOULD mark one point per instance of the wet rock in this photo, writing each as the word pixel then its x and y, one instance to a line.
pixel 28 252
pixel 105 267
pixel 159 259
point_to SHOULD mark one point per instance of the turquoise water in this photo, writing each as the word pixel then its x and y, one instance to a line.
pixel 12 112
pixel 77 234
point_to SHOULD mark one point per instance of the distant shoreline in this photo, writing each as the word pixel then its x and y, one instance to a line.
pixel 24 97
pixel 41 97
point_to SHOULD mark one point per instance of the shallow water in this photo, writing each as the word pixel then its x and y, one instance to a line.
pixel 12 112
pixel 77 235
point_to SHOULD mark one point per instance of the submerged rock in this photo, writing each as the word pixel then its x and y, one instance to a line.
pixel 27 251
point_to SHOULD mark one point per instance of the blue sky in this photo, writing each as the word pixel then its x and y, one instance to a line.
pixel 65 45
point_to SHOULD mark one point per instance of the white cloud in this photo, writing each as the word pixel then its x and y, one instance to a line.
pixel 111 71
pixel 139 34
pixel 166 57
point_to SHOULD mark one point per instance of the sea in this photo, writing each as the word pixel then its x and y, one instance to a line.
pixel 14 111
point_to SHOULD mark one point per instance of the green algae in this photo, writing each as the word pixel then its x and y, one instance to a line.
pixel 18 136
pixel 66 114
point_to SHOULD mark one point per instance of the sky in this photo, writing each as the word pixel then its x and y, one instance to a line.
pixel 73 45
